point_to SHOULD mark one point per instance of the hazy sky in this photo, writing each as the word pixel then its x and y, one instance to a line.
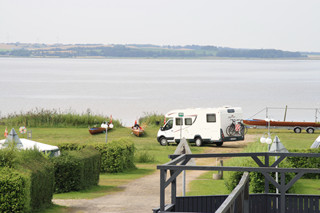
pixel 281 24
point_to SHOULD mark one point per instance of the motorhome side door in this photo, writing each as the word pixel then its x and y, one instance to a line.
pixel 212 128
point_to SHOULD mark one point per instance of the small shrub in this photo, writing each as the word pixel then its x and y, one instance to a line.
pixel 71 146
pixel 144 157
pixel 116 156
pixel 305 162
pixel 256 178
pixel 8 157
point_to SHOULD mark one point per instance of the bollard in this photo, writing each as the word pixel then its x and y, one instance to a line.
pixel 221 172
pixel 29 134
pixel 218 176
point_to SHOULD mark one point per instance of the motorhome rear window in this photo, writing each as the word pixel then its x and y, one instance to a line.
pixel 230 110
pixel 211 118
pixel 188 121
pixel 179 121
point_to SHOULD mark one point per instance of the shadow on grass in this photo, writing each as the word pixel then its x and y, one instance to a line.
pixel 92 192
pixel 109 183
pixel 54 209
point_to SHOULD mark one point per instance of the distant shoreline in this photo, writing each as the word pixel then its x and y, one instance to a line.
pixel 147 51
pixel 175 58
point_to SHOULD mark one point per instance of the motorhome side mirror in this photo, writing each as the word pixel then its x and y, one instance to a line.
pixel 161 128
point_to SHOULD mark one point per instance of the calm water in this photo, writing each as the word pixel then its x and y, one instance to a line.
pixel 128 88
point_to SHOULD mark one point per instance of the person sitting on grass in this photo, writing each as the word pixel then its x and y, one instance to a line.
pixel 136 125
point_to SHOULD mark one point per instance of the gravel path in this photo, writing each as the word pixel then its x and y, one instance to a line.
pixel 143 194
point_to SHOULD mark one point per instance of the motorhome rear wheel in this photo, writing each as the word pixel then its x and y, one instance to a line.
pixel 198 142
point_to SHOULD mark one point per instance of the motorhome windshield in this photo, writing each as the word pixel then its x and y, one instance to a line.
pixel 168 125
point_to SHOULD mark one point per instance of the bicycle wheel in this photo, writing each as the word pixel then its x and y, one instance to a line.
pixel 243 129
pixel 228 130
pixel 232 130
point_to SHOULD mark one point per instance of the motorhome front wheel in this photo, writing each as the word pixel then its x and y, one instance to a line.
pixel 163 141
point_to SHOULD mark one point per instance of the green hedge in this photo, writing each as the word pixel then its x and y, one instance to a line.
pixel 116 156
pixel 305 162
pixel 256 178
pixel 8 157
pixel 42 177
pixel 14 190
pixel 35 167
pixel 76 170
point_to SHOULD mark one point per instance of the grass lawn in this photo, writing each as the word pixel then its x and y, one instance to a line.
pixel 205 185
pixel 54 209
pixel 109 183
pixel 147 143
pixel 307 186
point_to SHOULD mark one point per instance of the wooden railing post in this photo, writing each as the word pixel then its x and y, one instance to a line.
pixel 283 193
pixel 173 189
pixel 246 198
pixel 266 182
pixel 162 188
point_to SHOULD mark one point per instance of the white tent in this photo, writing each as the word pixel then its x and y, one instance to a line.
pixel 316 143
pixel 22 143
pixel 277 146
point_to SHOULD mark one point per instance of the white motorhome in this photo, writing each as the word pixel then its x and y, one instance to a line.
pixel 207 125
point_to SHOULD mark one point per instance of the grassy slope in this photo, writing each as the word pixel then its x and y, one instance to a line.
pixel 205 185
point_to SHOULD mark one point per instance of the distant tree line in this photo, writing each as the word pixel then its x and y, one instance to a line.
pixel 261 53
pixel 150 51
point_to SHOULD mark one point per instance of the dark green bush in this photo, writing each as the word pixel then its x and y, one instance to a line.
pixel 305 162
pixel 38 169
pixel 144 157
pixel 116 156
pixel 256 178
pixel 8 157
pixel 71 146
pixel 76 170
pixel 14 190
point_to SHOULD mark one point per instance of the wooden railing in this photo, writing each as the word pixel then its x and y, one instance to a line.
pixel 267 202
pixel 262 203
pixel 238 199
